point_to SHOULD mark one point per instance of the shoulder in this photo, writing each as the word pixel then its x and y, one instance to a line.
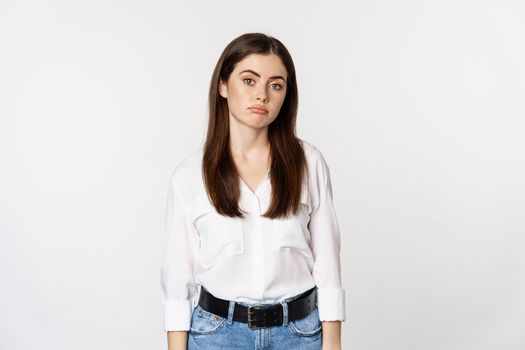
pixel 187 172
pixel 313 154
pixel 318 171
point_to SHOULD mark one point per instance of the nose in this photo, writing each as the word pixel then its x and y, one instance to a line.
pixel 262 95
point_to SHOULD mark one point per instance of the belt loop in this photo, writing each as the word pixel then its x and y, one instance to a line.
pixel 285 312
pixel 230 312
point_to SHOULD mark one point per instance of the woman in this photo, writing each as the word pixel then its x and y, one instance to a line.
pixel 252 258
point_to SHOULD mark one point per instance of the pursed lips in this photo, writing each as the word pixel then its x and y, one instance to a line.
pixel 258 110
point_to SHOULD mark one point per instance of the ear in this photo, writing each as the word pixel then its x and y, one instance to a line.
pixel 223 89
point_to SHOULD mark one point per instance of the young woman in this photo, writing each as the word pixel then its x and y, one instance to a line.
pixel 252 259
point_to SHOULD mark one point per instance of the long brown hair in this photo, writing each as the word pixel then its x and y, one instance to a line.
pixel 288 162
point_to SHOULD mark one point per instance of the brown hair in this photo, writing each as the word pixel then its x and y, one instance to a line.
pixel 288 162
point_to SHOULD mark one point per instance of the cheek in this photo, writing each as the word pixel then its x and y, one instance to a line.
pixel 279 100
pixel 235 98
pixel 237 95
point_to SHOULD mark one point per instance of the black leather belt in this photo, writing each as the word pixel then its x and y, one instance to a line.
pixel 261 316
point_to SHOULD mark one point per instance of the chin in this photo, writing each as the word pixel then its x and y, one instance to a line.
pixel 256 122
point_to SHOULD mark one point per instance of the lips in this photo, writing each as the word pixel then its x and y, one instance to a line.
pixel 258 109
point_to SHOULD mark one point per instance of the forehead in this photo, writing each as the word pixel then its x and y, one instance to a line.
pixel 265 65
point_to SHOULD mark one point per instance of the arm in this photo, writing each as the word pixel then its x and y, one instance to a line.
pixel 177 340
pixel 331 335
pixel 325 243
pixel 177 283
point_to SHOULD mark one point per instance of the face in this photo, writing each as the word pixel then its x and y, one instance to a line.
pixel 256 81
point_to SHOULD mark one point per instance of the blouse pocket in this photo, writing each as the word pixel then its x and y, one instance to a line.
pixel 220 235
pixel 292 234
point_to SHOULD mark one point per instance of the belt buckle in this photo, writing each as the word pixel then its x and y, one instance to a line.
pixel 250 312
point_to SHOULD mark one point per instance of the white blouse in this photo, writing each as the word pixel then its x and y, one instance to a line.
pixel 255 259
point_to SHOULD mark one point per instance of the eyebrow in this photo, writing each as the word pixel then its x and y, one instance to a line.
pixel 257 74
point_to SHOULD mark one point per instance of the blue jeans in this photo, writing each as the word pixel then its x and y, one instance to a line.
pixel 212 332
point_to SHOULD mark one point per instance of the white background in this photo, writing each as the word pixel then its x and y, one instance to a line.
pixel 418 107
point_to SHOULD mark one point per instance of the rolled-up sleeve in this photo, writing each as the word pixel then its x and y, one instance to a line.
pixel 180 255
pixel 325 243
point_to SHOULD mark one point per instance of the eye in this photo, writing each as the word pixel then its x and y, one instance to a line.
pixel 248 79
pixel 279 86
